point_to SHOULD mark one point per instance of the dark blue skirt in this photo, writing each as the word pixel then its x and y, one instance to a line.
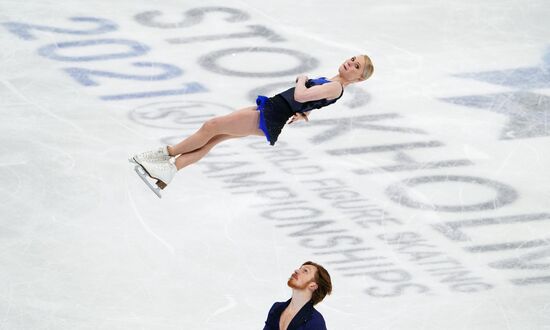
pixel 274 113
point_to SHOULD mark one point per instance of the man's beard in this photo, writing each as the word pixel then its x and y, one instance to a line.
pixel 291 283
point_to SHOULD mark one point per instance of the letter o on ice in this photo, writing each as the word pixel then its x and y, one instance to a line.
pixel 210 62
pixel 400 193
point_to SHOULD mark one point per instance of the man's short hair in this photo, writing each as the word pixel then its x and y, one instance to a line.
pixel 324 285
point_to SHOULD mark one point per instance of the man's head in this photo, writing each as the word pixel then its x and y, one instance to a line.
pixel 311 277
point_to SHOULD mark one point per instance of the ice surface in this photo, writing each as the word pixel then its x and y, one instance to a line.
pixel 424 191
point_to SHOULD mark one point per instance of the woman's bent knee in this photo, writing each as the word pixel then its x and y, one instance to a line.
pixel 211 126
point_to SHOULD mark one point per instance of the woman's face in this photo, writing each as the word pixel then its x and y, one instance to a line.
pixel 352 68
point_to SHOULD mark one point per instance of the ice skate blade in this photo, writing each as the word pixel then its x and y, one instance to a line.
pixel 143 176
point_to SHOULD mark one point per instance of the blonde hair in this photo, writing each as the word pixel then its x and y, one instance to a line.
pixel 369 68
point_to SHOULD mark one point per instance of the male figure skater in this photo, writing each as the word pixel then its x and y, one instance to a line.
pixel 310 284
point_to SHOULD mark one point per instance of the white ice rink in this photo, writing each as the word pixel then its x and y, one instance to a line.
pixel 424 191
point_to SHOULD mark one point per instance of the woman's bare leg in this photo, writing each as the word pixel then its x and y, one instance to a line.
pixel 242 122
pixel 192 157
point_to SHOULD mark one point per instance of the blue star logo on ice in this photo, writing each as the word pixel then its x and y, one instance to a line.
pixel 528 112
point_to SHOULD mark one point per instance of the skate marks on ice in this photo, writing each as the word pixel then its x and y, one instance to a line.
pixel 170 248
pixel 230 305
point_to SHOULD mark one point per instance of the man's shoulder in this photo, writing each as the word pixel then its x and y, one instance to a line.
pixel 278 304
pixel 316 321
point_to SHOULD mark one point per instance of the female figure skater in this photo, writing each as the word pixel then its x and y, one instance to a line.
pixel 267 119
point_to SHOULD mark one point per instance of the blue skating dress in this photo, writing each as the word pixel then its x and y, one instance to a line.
pixel 275 111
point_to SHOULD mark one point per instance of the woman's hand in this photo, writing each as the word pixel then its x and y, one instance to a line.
pixel 297 117
pixel 301 79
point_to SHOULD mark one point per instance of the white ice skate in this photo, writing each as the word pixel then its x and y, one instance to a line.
pixel 157 155
pixel 162 172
